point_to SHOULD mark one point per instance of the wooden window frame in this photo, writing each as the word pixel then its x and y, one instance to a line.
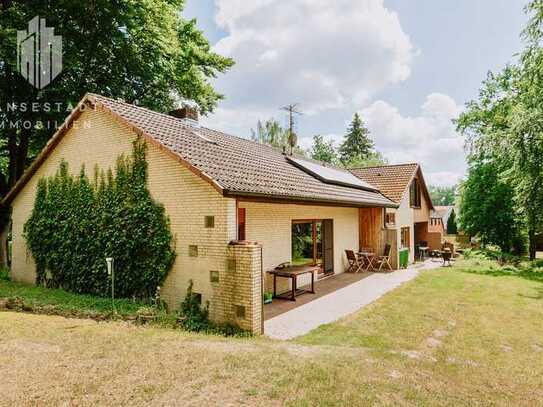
pixel 405 240
pixel 415 198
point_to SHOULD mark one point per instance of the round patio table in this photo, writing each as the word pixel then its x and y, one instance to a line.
pixel 367 257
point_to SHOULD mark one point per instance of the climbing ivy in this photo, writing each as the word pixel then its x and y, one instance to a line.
pixel 76 223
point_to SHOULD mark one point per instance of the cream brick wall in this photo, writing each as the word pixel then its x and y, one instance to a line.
pixel 406 216
pixel 99 140
pixel 270 224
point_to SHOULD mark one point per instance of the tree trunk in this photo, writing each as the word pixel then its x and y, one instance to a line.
pixel 4 254
pixel 531 242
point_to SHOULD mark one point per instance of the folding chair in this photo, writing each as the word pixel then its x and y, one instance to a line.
pixel 384 260
pixel 355 265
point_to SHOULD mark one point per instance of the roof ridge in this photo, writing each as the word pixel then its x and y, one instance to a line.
pixel 385 166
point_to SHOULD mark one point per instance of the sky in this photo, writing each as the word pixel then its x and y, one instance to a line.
pixel 408 68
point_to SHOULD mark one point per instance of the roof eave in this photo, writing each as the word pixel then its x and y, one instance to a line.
pixel 304 200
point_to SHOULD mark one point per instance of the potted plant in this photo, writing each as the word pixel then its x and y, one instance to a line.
pixel 268 297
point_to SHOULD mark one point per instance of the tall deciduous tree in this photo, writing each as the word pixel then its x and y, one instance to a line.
pixel 142 51
pixel 357 145
pixel 270 132
pixel 487 208
pixel 444 196
pixel 323 150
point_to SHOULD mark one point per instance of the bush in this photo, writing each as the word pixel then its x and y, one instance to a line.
pixel 195 318
pixel 75 224
pixel 4 274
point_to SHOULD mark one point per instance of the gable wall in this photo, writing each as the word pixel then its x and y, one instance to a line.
pixel 186 198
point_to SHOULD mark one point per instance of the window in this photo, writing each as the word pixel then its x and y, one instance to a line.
pixel 214 276
pixel 193 250
pixel 240 311
pixel 390 219
pixel 306 242
pixel 197 297
pixel 414 193
pixel 241 224
pixel 405 237
pixel 209 221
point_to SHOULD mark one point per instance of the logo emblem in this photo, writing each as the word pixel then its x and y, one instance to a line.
pixel 39 53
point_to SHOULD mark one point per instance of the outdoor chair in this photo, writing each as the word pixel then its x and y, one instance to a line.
pixel 380 262
pixel 446 254
pixel 355 265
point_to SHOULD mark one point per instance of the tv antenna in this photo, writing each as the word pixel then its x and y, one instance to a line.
pixel 292 110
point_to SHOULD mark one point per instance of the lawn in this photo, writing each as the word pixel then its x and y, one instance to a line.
pixel 467 335
pixel 65 302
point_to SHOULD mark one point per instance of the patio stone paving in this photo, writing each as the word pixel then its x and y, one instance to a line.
pixel 339 303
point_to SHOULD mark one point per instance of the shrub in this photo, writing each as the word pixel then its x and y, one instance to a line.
pixel 75 224
pixel 195 318
pixel 4 274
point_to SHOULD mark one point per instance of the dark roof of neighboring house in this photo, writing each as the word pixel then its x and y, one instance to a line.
pixel 234 166
pixel 393 180
pixel 443 212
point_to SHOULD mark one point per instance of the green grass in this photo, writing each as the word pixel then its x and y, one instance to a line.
pixel 467 335
pixel 65 301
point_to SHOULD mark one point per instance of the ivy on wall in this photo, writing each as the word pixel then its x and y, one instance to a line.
pixel 76 223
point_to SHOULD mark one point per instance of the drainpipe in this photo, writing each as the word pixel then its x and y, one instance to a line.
pixel 261 291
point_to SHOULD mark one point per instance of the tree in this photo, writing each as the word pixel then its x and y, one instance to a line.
pixel 271 133
pixel 141 51
pixel 324 151
pixel 373 159
pixel 357 144
pixel 487 208
pixel 452 228
pixel 443 196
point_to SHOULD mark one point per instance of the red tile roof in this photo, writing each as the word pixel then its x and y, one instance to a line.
pixel 392 180
pixel 233 165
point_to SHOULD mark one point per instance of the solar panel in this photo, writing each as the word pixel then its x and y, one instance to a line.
pixel 330 175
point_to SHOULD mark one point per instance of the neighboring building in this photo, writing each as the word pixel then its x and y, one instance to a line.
pixel 403 184
pixel 444 212
pixel 221 193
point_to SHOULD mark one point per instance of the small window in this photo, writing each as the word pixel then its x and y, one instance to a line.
pixel 214 276
pixel 405 237
pixel 390 219
pixel 209 221
pixel 414 193
pixel 197 297
pixel 241 224
pixel 240 311
pixel 193 250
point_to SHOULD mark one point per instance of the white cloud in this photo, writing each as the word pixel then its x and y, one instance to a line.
pixel 429 138
pixel 323 54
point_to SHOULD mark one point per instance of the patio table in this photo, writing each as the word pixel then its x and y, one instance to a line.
pixel 367 257
pixel 423 250
pixel 292 272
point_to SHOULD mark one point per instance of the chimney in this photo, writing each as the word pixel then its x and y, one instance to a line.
pixel 186 113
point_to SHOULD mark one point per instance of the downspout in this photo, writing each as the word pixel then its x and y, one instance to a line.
pixel 261 291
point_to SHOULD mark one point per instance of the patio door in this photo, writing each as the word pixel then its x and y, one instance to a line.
pixel 328 245
pixel 312 243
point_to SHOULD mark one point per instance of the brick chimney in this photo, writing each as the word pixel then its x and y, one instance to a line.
pixel 185 112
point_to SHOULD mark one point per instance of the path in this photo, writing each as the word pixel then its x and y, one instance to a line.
pixel 340 303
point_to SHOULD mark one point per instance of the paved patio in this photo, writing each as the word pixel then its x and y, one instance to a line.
pixel 300 319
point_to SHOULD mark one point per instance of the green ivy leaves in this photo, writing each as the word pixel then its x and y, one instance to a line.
pixel 75 224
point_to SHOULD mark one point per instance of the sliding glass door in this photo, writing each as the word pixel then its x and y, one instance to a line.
pixel 308 243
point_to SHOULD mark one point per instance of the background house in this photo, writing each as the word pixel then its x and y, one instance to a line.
pixel 405 185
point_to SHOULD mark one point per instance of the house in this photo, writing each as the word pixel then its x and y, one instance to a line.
pixel 403 184
pixel 444 212
pixel 237 208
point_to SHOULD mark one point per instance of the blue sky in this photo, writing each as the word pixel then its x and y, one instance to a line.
pixel 407 66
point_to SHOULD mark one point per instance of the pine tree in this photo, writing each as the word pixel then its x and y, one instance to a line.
pixel 357 144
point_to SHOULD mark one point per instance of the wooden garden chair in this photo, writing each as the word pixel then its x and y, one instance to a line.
pixel 380 262
pixel 355 265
